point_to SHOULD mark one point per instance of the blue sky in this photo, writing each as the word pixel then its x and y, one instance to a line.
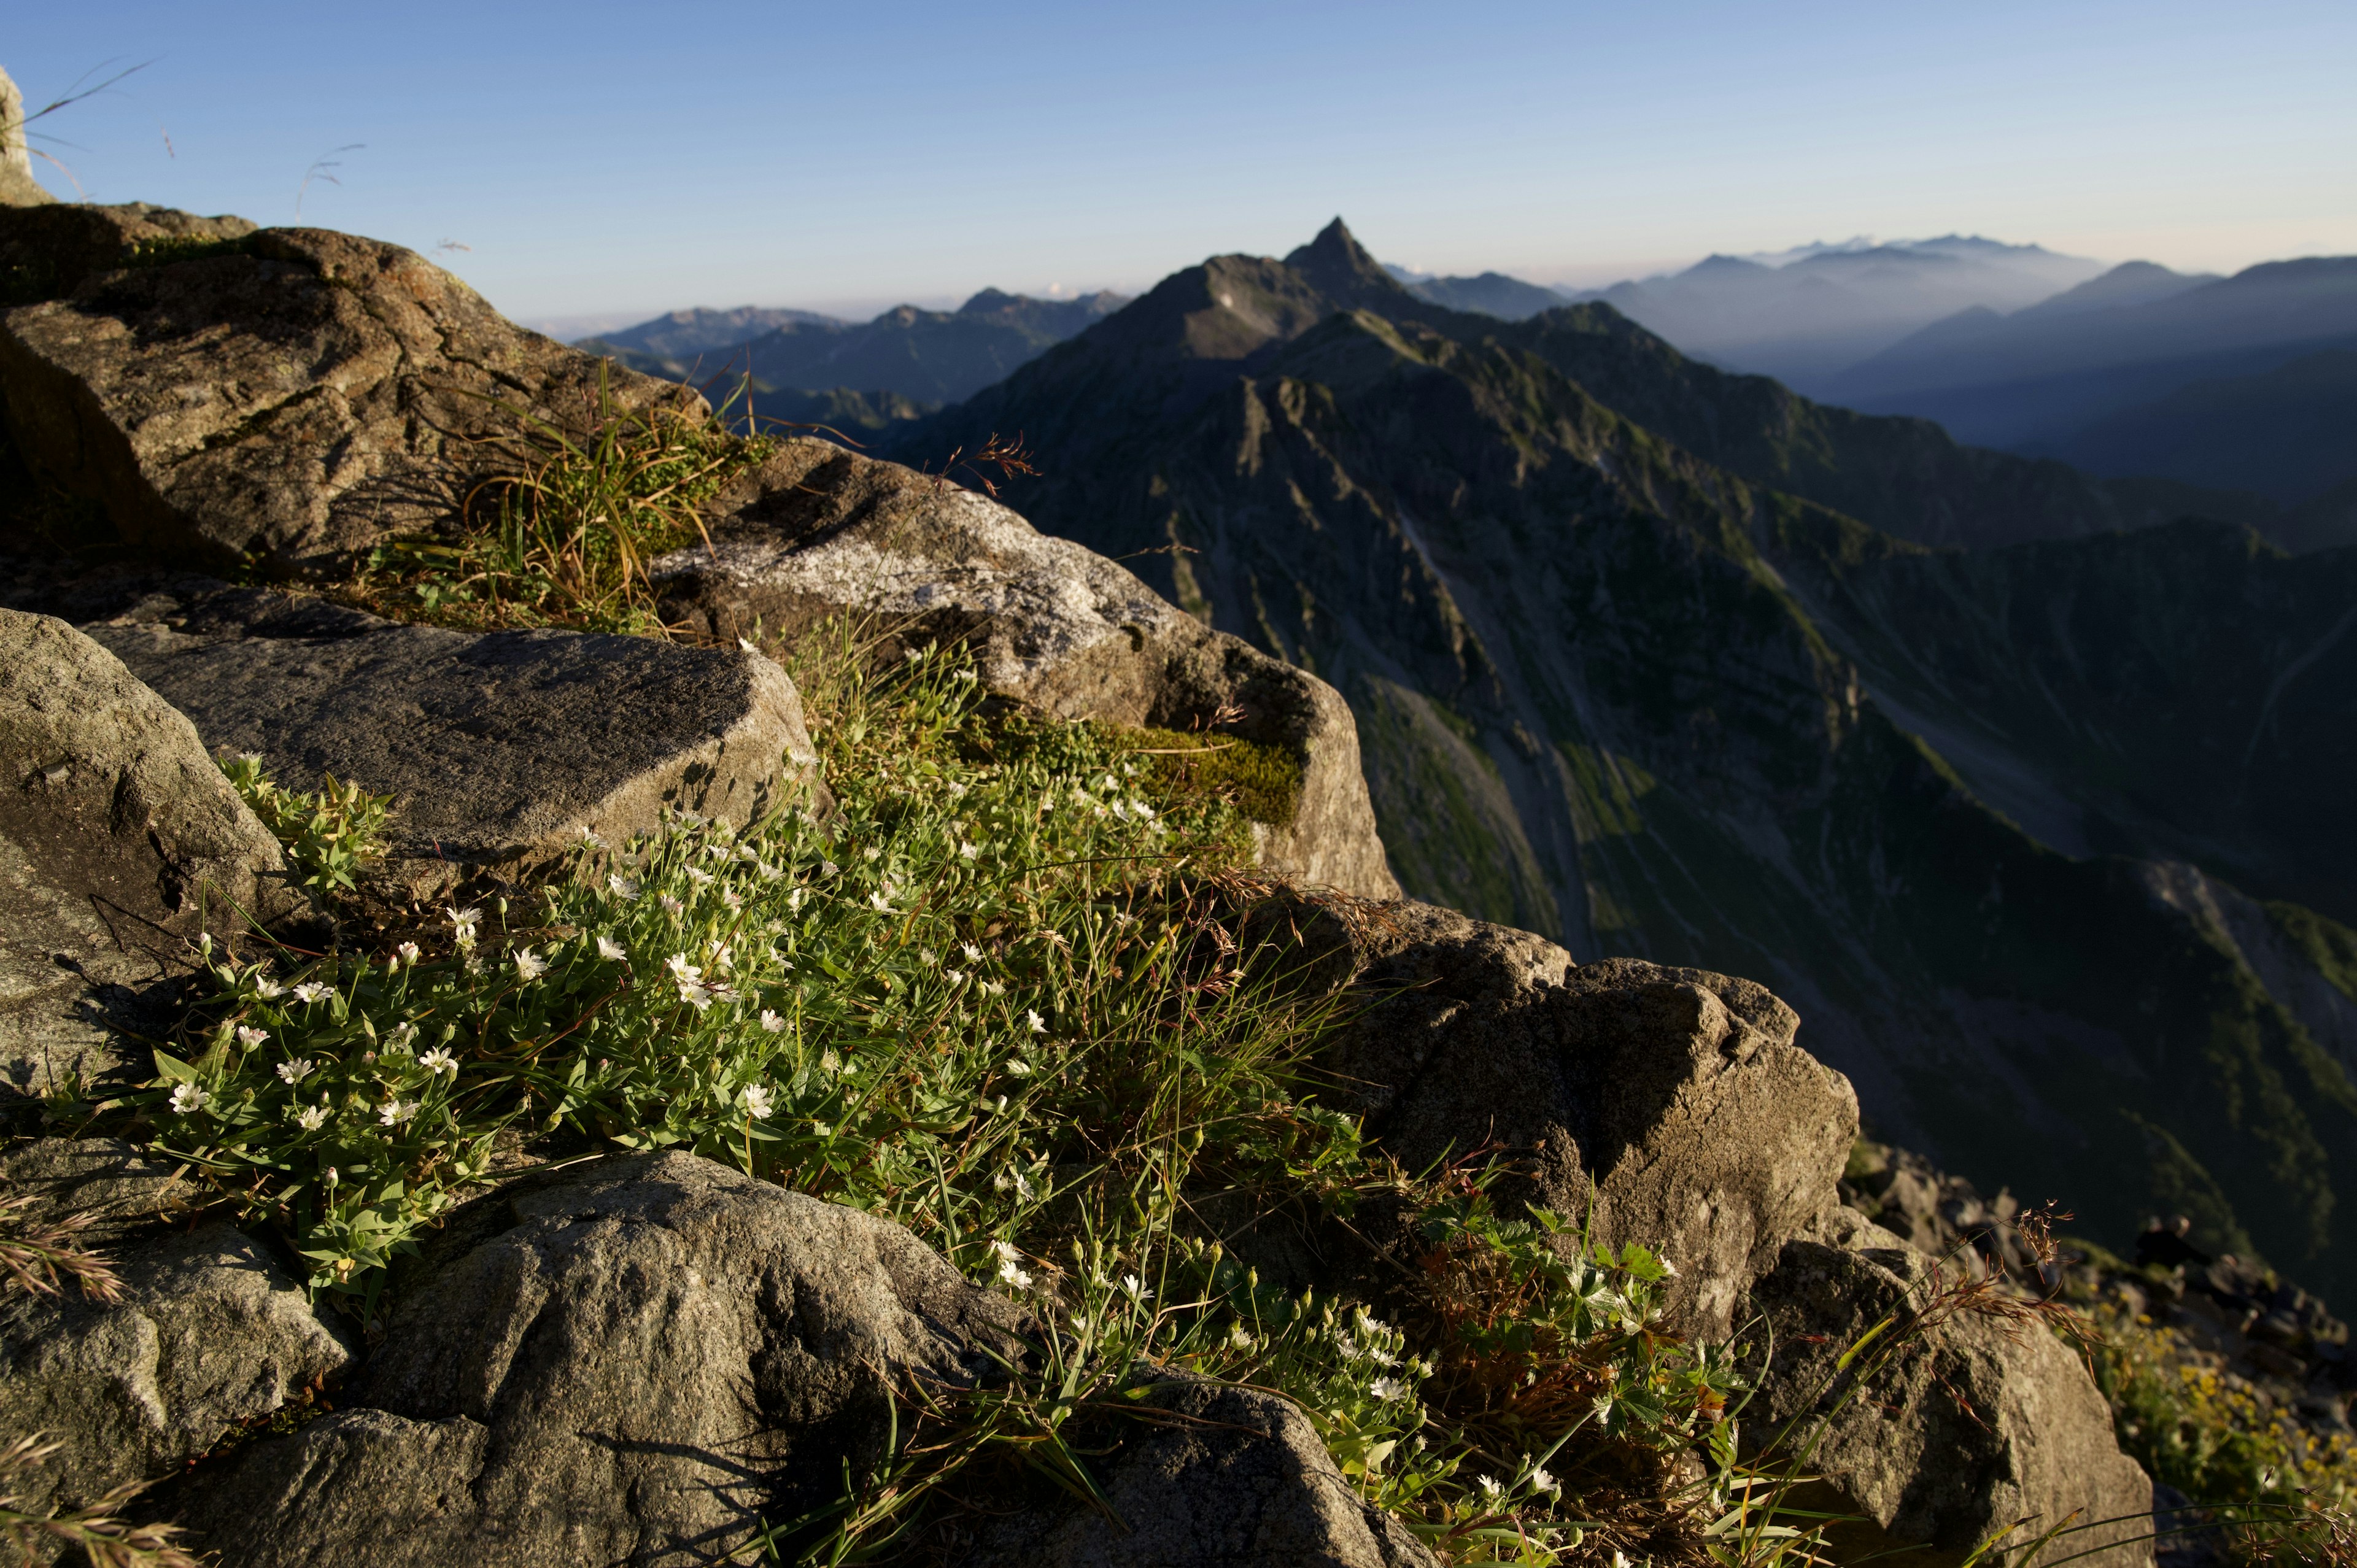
pixel 604 158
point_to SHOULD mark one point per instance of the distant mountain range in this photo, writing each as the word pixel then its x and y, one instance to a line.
pixel 797 364
pixel 1833 306
pixel 2041 825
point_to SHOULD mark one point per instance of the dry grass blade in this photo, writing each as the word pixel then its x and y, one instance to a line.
pixel 107 1540
pixel 38 1256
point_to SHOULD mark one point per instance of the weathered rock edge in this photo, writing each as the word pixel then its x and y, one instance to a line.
pixel 1972 1429
pixel 297 395
pixel 818 530
pixel 120 842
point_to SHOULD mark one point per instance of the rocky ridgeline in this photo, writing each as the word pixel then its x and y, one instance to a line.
pixel 641 1357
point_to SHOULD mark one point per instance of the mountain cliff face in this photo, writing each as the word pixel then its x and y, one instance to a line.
pixel 2006 827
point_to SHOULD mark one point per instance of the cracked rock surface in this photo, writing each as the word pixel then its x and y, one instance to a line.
pixel 498 748
pixel 818 530
pixel 291 393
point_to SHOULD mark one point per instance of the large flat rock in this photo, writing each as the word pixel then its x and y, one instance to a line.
pixel 293 395
pixel 818 530
pixel 499 748
pixel 120 842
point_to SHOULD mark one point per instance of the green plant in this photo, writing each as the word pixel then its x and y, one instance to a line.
pixel 1264 782
pixel 333 833
pixel 562 529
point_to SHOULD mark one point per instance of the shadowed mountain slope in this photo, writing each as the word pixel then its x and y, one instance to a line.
pixel 1623 677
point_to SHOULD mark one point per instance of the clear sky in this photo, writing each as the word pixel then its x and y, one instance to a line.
pixel 607 158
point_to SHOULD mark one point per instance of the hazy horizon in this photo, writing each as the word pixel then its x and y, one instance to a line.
pixel 805 156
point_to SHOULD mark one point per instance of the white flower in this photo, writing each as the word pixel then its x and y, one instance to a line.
pixel 1145 812
pixel 407 953
pixel 396 1112
pixel 1038 1025
pixel 1543 1482
pixel 589 836
pixel 1121 809
pixel 827 868
pixel 996 987
pixel 879 902
pixel 311 1118
pixel 720 957
pixel 440 1061
pixel 973 953
pixel 327 1179
pixel 296 1070
pixel 530 965
pixel 794 899
pixel 1388 1388
pixel 758 1101
pixel 1018 1068
pixel 745 645
pixel 732 898
pixel 684 972
pixel 189 1098
pixel 310 990
pixel 1010 1265
pixel 462 922
pixel 624 887
pixel 962 675
pixel 698 876
pixel 267 988
pixel 670 905
pixel 1135 1288
pixel 611 950
pixel 1490 1488
pixel 771 1023
pixel 954 976
pixel 872 852
pixel 250 1037
pixel 403 1034
pixel 830 1062
pixel 969 850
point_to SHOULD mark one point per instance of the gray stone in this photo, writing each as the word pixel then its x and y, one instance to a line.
pixel 298 395
pixel 209 1332
pixel 108 1183
pixel 1974 1425
pixel 1675 1097
pixel 499 748
pixel 633 1363
pixel 1239 1480
pixel 120 841
pixel 819 531
pixel 18 186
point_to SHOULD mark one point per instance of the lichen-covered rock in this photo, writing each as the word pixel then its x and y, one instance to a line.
pixel 1975 1426
pixel 499 748
pixel 210 1331
pixel 1675 1097
pixel 120 841
pixel 299 394
pixel 1207 1475
pixel 818 530
pixel 636 1363
pixel 49 251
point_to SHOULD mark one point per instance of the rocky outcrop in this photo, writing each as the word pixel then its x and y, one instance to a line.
pixel 120 842
pixel 210 1331
pixel 1675 1097
pixel 499 749
pixel 104 1183
pixel 18 186
pixel 1209 1475
pixel 293 395
pixel 818 530
pixel 1974 1425
pixel 47 252
pixel 636 1363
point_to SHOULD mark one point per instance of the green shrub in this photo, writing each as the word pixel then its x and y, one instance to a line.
pixel 332 834
pixel 1264 782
